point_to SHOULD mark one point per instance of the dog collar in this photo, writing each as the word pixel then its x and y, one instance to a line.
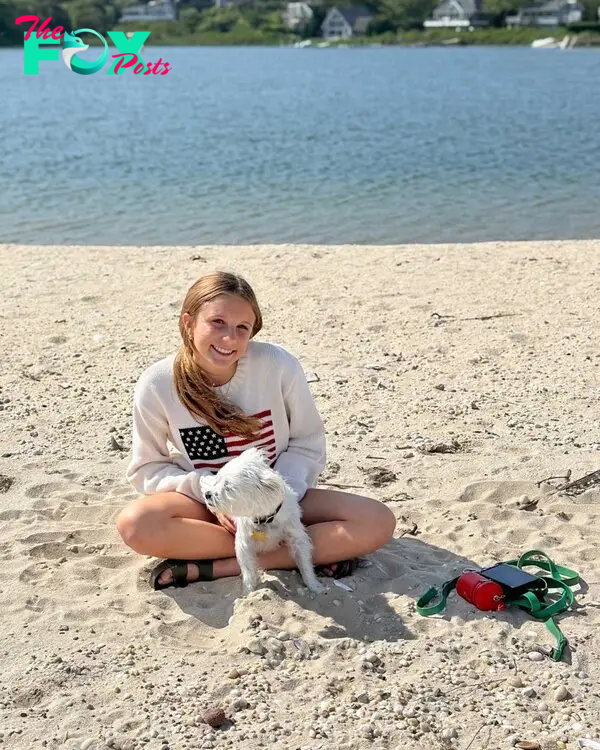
pixel 267 519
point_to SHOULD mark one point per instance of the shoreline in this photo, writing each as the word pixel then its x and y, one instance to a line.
pixel 487 37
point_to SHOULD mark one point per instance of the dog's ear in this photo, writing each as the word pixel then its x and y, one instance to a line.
pixel 261 455
pixel 270 482
pixel 207 482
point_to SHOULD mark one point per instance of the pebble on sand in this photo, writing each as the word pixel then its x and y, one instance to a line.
pixel 561 693
pixel 214 717
pixel 535 656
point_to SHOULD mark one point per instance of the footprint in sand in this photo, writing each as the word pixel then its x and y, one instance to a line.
pixel 50 550
pixel 503 515
pixel 79 496
pixel 7 549
pixel 36 603
pixel 11 515
pixel 100 515
pixel 88 573
pixel 113 562
pixel 34 574
pixel 44 490
pixel 40 504
pixel 71 476
pixel 44 536
pixel 589 554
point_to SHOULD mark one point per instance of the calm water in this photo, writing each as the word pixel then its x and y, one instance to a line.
pixel 245 145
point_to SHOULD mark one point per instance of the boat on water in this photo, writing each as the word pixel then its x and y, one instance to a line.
pixel 549 42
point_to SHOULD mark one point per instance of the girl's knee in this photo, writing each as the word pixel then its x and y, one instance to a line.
pixel 376 520
pixel 134 525
pixel 384 524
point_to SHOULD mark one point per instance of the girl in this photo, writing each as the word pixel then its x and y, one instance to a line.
pixel 222 393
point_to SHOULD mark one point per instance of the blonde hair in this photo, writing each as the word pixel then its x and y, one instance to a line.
pixel 192 383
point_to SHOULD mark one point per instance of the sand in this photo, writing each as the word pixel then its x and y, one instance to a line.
pixel 490 350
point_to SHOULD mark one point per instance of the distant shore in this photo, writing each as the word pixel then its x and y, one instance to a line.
pixel 163 35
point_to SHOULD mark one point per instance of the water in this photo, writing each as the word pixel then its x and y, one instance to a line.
pixel 248 145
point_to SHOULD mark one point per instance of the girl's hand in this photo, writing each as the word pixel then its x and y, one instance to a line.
pixel 227 523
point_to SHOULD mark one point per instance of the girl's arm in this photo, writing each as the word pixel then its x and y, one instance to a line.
pixel 304 459
pixel 152 469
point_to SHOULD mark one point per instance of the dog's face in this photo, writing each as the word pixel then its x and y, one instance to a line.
pixel 245 487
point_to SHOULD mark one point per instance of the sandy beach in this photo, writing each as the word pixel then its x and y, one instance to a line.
pixel 451 380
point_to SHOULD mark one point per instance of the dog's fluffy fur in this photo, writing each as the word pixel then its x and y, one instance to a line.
pixel 247 488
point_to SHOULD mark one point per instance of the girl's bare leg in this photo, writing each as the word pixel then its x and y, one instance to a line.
pixel 340 524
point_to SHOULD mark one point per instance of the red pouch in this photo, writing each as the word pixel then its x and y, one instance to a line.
pixel 481 592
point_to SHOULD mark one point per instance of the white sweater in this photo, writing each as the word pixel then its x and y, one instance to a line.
pixel 172 449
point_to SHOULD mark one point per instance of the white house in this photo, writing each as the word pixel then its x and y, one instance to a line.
pixel 343 23
pixel 297 15
pixel 155 10
pixel 551 13
pixel 457 14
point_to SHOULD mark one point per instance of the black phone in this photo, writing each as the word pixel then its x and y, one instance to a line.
pixel 513 580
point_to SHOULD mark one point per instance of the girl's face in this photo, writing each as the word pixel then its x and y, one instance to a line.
pixel 221 333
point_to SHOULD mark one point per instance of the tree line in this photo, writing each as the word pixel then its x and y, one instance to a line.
pixel 258 21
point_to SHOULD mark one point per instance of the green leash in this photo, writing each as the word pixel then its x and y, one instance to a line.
pixel 560 579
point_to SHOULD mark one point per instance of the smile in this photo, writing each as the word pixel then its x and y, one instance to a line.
pixel 224 352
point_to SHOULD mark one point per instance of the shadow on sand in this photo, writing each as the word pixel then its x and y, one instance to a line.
pixel 404 567
pixel 383 592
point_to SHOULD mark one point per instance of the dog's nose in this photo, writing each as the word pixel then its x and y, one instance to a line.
pixel 208 495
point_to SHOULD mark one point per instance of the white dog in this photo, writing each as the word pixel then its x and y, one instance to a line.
pixel 265 511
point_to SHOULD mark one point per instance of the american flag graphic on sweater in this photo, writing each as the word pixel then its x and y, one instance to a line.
pixel 209 450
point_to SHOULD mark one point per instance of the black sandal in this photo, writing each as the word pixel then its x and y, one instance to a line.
pixel 340 569
pixel 180 574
